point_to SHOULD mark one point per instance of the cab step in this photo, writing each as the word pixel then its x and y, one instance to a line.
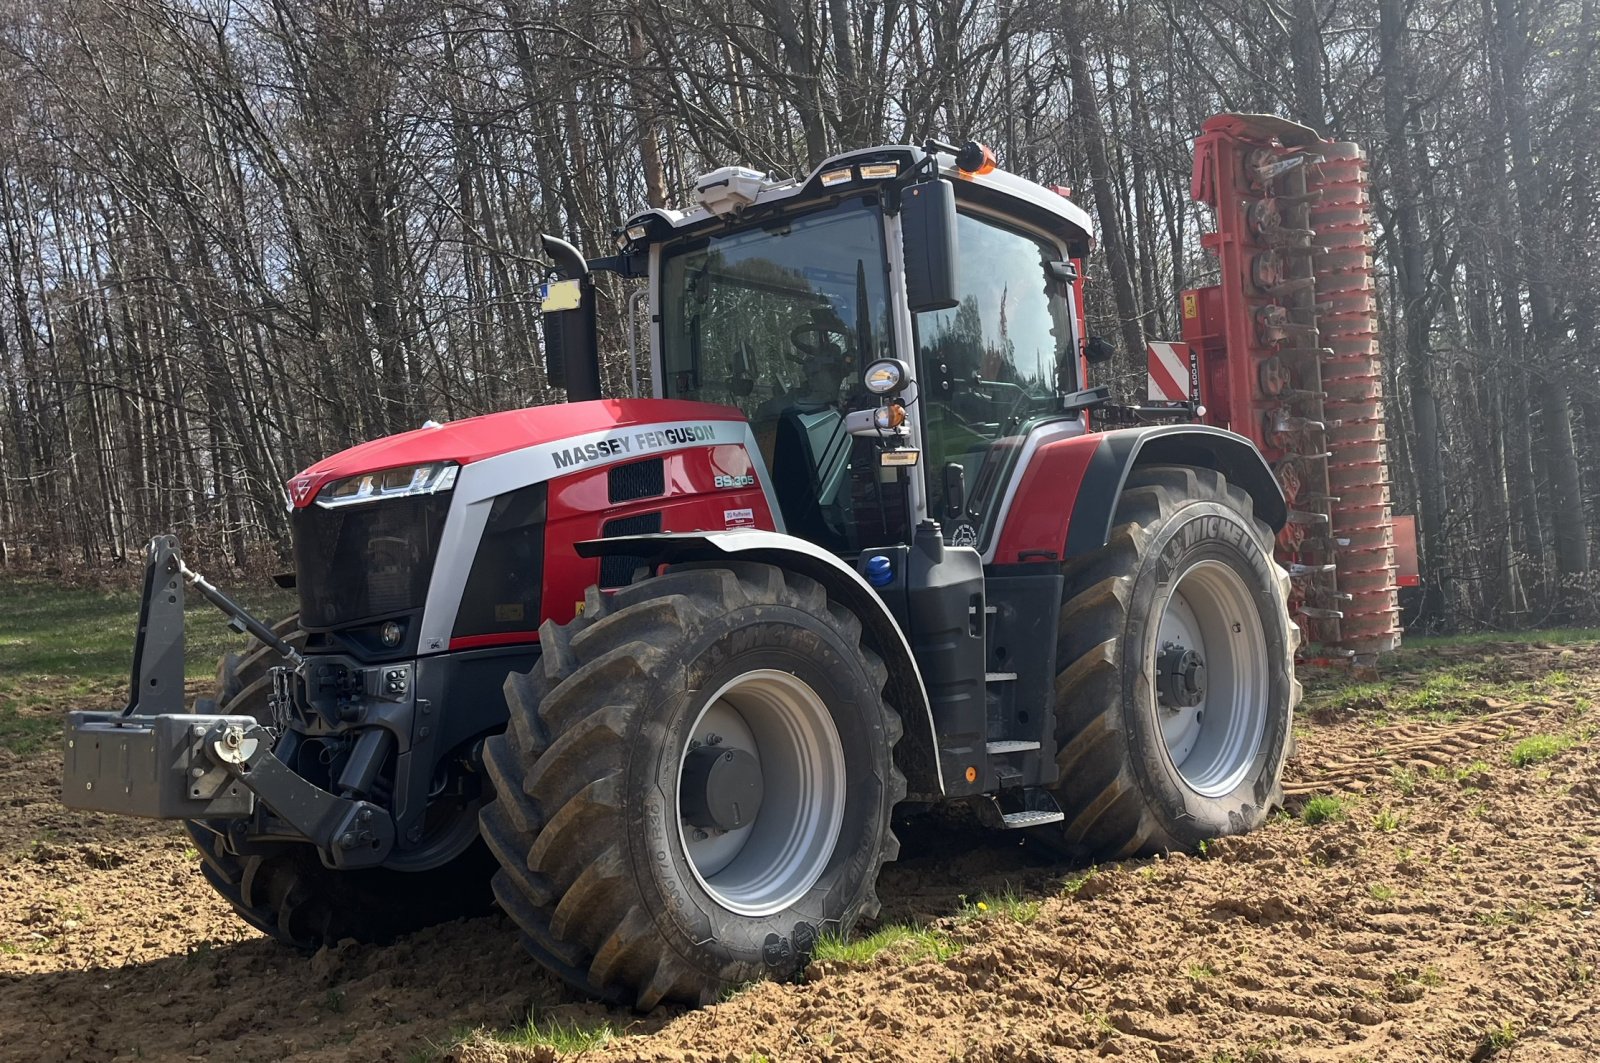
pixel 1038 808
pixel 1018 820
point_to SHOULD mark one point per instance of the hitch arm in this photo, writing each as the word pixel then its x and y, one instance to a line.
pixel 350 833
pixel 237 614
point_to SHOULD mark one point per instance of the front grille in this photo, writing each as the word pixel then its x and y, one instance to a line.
pixel 616 570
pixel 638 479
pixel 363 562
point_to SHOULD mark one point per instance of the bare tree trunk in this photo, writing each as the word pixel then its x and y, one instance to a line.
pixel 1112 236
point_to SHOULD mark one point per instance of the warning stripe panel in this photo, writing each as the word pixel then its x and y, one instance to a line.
pixel 1167 375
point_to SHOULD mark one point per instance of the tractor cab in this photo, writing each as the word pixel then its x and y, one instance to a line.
pixel 958 280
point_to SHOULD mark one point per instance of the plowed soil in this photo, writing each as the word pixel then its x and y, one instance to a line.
pixel 1443 911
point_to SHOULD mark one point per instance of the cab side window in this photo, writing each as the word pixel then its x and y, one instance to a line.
pixel 992 366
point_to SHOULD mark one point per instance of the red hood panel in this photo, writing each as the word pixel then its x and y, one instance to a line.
pixel 477 438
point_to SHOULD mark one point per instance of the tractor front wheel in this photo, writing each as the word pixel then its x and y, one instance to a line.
pixel 696 782
pixel 1174 705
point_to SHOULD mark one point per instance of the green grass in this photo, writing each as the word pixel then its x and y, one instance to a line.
pixel 1501 1037
pixel 1537 748
pixel 1322 808
pixel 1550 636
pixel 1007 904
pixel 563 1037
pixel 908 943
pixel 1387 821
pixel 1425 679
pixel 66 647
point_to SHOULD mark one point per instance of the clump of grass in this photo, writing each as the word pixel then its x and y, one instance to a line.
pixel 1502 1037
pixel 561 1036
pixel 1008 903
pixel 1537 748
pixel 1436 694
pixel 1076 882
pixel 1199 972
pixel 1405 780
pixel 1387 821
pixel 910 943
pixel 1426 976
pixel 1322 808
pixel 1379 892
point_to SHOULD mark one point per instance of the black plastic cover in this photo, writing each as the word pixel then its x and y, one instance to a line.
pixel 364 562
pixel 503 589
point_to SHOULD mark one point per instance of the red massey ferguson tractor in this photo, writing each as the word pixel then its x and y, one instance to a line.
pixel 663 668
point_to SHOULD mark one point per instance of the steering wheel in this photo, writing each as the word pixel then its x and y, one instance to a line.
pixel 823 324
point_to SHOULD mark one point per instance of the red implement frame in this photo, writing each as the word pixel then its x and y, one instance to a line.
pixel 1289 357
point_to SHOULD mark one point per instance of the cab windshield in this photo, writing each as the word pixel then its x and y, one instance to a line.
pixel 792 309
pixel 778 320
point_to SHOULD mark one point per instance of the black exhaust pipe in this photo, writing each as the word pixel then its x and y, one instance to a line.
pixel 571 337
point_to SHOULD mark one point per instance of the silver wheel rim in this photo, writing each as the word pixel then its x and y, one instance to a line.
pixel 1213 744
pixel 766 866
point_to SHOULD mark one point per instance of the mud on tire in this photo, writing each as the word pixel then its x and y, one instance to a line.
pixel 1126 788
pixel 288 894
pixel 597 868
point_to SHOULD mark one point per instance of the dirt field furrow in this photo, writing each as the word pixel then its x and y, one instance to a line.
pixel 1429 893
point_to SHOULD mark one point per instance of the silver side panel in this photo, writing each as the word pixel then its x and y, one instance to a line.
pixel 479 483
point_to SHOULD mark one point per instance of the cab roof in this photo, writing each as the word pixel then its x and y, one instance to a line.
pixel 999 190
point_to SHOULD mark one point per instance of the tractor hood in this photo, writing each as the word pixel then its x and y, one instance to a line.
pixel 490 435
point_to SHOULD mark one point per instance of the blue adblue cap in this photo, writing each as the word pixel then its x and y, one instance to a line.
pixel 880 571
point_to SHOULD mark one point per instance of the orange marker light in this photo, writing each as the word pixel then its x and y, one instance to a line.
pixel 976 159
pixel 972 774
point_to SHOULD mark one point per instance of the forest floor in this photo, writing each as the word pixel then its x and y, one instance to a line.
pixel 1428 893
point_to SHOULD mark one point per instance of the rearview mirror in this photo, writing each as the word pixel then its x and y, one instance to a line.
pixel 1097 350
pixel 928 239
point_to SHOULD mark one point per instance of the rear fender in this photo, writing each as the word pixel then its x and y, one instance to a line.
pixel 1067 500
pixel 917 753
pixel 1122 451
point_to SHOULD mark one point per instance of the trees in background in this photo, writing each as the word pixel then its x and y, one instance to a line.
pixel 236 235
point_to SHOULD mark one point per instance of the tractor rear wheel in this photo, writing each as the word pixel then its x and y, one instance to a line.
pixel 695 783
pixel 288 894
pixel 1177 688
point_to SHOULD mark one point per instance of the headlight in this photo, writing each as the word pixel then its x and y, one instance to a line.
pixel 389 483
pixel 886 376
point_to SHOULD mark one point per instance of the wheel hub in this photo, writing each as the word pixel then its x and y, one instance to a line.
pixel 721 788
pixel 1183 676
pixel 1211 677
pixel 761 792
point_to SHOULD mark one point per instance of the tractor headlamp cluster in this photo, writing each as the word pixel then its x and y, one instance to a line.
pixel 401 482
